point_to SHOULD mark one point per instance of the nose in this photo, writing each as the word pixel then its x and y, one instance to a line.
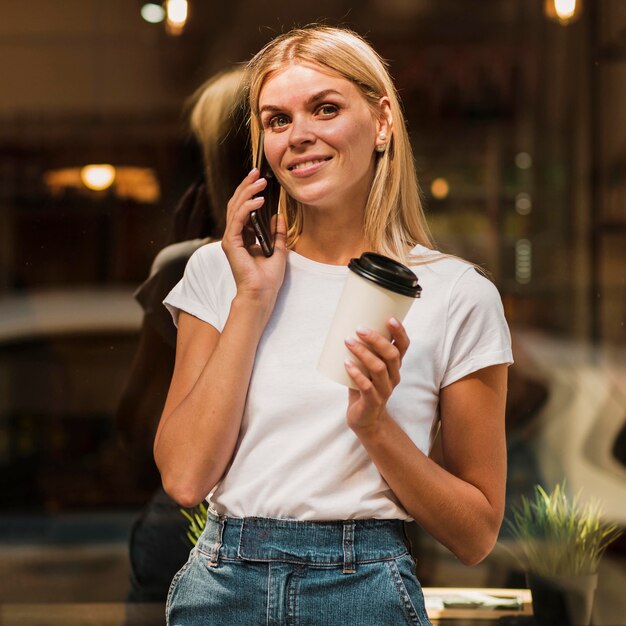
pixel 301 131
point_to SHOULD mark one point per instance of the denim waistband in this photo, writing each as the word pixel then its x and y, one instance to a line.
pixel 319 543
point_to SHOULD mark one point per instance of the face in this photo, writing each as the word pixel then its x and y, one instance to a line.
pixel 320 136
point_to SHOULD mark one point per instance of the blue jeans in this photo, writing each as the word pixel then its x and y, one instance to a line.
pixel 250 571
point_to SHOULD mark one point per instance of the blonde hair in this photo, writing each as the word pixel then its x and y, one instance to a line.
pixel 394 220
pixel 219 121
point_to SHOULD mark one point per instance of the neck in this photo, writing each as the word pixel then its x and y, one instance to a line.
pixel 331 236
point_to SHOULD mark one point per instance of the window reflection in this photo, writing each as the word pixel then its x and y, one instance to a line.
pixel 520 146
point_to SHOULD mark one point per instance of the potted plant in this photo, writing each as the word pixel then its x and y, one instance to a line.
pixel 197 517
pixel 559 544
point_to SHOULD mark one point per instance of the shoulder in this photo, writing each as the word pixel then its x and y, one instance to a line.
pixel 206 288
pixel 438 266
pixel 166 270
pixel 209 257
pixel 175 253
pixel 457 280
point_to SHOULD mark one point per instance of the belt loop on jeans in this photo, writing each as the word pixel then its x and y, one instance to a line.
pixel 348 547
pixel 215 549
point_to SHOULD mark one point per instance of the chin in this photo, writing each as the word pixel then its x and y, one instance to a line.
pixel 315 204
pixel 317 196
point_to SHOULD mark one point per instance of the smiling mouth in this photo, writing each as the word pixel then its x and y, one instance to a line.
pixel 305 164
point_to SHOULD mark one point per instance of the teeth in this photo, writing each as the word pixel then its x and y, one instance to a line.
pixel 299 166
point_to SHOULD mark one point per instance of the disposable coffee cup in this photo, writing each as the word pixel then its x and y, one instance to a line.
pixel 377 289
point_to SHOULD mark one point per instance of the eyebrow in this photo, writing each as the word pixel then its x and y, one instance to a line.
pixel 312 100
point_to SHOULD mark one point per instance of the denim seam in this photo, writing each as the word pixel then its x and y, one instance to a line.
pixel 292 606
pixel 215 550
pixel 348 548
pixel 409 607
pixel 287 522
pixel 174 584
pixel 320 564
pixel 241 529
pixel 269 594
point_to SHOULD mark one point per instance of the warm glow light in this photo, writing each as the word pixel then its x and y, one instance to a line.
pixel 139 184
pixel 523 203
pixel 177 11
pixel 440 188
pixel 98 177
pixel 563 11
pixel 523 160
pixel 152 13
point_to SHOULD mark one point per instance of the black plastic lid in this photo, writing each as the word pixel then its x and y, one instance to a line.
pixel 387 273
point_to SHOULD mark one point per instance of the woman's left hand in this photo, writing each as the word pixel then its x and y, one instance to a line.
pixel 381 359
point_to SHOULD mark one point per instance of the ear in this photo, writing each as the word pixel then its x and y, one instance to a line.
pixel 384 123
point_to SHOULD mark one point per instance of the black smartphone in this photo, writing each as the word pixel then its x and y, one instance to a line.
pixel 264 220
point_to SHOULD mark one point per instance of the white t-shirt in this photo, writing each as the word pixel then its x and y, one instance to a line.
pixel 295 456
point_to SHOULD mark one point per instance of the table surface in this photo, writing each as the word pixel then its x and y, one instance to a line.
pixel 478 616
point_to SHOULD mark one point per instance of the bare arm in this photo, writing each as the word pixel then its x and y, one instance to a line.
pixel 460 502
pixel 200 423
pixel 202 415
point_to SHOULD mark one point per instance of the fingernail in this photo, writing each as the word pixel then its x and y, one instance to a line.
pixel 394 322
pixel 254 169
pixel 363 330
pixel 349 364
pixel 351 341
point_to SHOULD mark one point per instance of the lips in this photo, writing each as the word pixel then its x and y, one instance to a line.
pixel 306 164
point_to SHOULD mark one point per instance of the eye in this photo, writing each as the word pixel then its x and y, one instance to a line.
pixel 278 121
pixel 327 109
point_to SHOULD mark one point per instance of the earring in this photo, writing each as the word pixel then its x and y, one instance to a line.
pixel 382 136
pixel 381 147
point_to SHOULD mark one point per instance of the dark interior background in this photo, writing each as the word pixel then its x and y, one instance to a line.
pixel 521 117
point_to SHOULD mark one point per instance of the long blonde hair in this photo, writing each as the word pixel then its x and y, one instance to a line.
pixel 394 219
pixel 218 120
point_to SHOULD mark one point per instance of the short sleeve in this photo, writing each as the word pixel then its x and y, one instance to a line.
pixel 477 334
pixel 196 292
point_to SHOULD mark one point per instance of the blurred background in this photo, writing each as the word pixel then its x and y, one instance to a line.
pixel 516 113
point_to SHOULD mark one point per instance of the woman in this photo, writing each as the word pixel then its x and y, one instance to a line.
pixel 310 482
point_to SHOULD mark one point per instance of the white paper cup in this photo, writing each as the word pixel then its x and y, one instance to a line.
pixel 376 289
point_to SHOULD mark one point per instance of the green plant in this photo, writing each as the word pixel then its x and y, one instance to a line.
pixel 559 535
pixel 197 521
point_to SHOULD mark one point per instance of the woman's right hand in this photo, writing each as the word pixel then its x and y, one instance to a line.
pixel 257 277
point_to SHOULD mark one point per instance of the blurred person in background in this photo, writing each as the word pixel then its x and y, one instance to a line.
pixel 158 542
